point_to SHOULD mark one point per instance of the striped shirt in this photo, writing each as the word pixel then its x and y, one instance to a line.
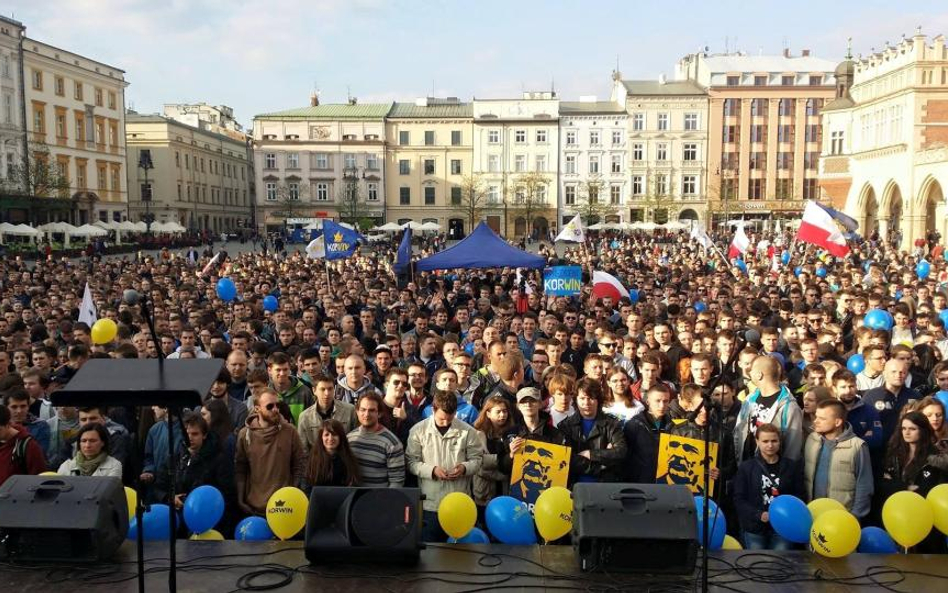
pixel 380 455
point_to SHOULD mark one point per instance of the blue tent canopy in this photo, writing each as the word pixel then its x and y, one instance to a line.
pixel 481 249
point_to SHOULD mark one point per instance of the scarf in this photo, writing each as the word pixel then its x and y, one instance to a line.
pixel 87 466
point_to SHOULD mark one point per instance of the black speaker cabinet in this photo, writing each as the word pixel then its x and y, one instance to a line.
pixel 61 518
pixel 364 525
pixel 646 528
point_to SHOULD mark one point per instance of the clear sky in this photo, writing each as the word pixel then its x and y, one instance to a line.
pixel 266 55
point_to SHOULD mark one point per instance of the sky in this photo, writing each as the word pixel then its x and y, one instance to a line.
pixel 259 56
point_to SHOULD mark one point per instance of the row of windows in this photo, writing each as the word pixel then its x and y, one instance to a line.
pixel 108 176
pixel 430 138
pixel 227 197
pixel 321 191
pixel 78 89
pixel 541 136
pixel 757 189
pixel 429 166
pixel 595 137
pixel 216 167
pixel 81 126
pixel 321 160
pixel 765 80
pixel 660 186
pixel 760 107
pixel 690 122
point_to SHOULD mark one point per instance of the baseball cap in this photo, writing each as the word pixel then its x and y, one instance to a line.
pixel 528 392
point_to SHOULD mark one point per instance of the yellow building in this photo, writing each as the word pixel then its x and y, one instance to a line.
pixel 430 152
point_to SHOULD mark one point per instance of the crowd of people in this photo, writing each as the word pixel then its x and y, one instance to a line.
pixel 438 380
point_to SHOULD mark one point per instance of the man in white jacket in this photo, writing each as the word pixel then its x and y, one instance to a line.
pixel 445 454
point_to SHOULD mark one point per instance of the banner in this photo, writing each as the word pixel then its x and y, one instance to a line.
pixel 341 242
pixel 536 467
pixel 563 280
pixel 681 462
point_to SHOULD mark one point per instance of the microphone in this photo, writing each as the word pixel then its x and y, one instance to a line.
pixel 131 297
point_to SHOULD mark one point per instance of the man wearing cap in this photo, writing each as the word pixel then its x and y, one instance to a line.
pixel 536 426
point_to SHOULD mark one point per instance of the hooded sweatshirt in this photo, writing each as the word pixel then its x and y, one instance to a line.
pixel 268 458
pixel 298 397
pixel 32 463
pixel 349 395
pixel 787 417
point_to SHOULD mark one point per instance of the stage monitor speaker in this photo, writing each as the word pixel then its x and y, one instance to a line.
pixel 646 528
pixel 61 518
pixel 364 525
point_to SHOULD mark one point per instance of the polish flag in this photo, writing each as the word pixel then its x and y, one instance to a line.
pixel 608 285
pixel 819 228
pixel 739 243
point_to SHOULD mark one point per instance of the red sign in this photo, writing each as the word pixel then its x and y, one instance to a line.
pixel 322 215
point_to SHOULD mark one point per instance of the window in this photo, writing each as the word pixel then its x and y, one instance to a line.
pixel 592 193
pixel 816 80
pixel 594 137
pixel 758 161
pixel 541 136
pixel 784 133
pixel 732 108
pixel 293 191
pixel 429 137
pixel 493 194
pixel 571 138
pixel 404 138
pixel 663 121
pixel 39 119
pixel 372 162
pixel 661 184
pixel 571 164
pixel 7 108
pixel 493 136
pixel 520 136
pixel 733 80
pixel 37 78
pixel 5 66
pixel 615 195
pixel 77 91
pixel 787 107
pixel 145 189
pixel 689 185
pixel 784 161
pixel 593 164
pixel 429 196
pixel 322 192
pixel 60 84
pixel 784 189
pixel 691 121
pixel 455 196
pixel 81 175
pixel 404 167
pixel 616 166
pixel 811 160
pixel 690 151
pixel 429 167
pixel 112 100
pixel 661 151
pixel 372 191
pixel 813 106
pixel 638 122
pixel 617 137
pixel 758 133
pixel 455 137
pixel 541 193
pixel 271 188
pixel 760 81
pixel 520 163
pixel 570 195
pixel 455 166
pixel 811 189
pixel 729 189
pixel 638 185
pixel 786 80
pixel 98 97
pixel 729 161
pixel 836 142
pixel 177 159
pixel 812 133
pixel 293 160
pixel 349 161
pixel 541 162
pixel 61 124
pixel 269 161
pixel 638 151
pixel 493 163
pixel 755 189
pixel 404 196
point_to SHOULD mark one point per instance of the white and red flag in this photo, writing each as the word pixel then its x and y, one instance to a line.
pixel 819 228
pixel 608 285
pixel 739 244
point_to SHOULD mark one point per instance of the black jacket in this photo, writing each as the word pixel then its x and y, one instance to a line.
pixel 545 433
pixel 606 445
pixel 748 497
pixel 208 467
pixel 642 436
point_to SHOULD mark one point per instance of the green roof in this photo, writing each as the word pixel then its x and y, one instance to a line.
pixel 333 111
pixel 656 88
pixel 439 108
pixel 591 107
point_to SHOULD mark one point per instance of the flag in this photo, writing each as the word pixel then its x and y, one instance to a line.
pixel 87 310
pixel 210 264
pixel 739 243
pixel 608 285
pixel 849 223
pixel 819 228
pixel 403 257
pixel 698 234
pixel 573 231
pixel 316 248
pixel 341 242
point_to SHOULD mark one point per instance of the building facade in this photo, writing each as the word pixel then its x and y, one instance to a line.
pixel 321 161
pixel 885 152
pixel 668 136
pixel 516 148
pixel 764 131
pixel 12 113
pixel 430 153
pixel 76 125
pixel 187 174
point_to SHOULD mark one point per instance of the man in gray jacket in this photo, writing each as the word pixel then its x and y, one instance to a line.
pixel 837 463
pixel 770 403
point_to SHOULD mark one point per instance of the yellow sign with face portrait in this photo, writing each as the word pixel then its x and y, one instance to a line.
pixel 681 462
pixel 536 467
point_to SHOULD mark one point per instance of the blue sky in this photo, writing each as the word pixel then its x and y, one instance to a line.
pixel 267 55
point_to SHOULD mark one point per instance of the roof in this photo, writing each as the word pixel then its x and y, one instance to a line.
pixel 840 103
pixel 776 64
pixel 435 108
pixel 483 248
pixel 580 107
pixel 656 88
pixel 332 111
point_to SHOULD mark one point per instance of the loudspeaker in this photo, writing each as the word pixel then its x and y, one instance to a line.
pixel 61 518
pixel 647 528
pixel 364 525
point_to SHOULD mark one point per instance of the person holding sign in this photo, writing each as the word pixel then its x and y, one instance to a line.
pixel 596 439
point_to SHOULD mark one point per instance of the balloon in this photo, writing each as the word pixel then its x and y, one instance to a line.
pixel 209 535
pixel 818 506
pixel 103 331
pixel 156 521
pixel 946 255
pixel 866 264
pixel 856 363
pixel 270 303
pixel 731 544
pixel 943 315
pixel 474 536
pixel 253 529
pixel 741 265
pixel 717 521
pixel 821 272
pixel 203 508
pixel 938 501
pixel 797 270
pixel 553 513
pixel 898 295
pixel 923 269
pixel 942 396
pixel 790 518
pixel 634 296
pixel 878 319
pixel 509 520
pixel 785 257
pixel 907 517
pixel 226 289
pixel 286 511
pixel 53 474
pixel 457 514
pixel 874 540
pixel 131 499
pixel 835 534
pixel 700 307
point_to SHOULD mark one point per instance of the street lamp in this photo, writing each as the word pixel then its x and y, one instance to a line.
pixel 145 164
pixel 351 176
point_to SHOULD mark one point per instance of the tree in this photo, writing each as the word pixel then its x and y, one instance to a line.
pixel 591 203
pixel 288 198
pixel 352 208
pixel 530 195
pixel 36 176
pixel 657 198
pixel 473 201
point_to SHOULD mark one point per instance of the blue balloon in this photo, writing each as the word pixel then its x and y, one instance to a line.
pixel 634 296
pixel 821 272
pixel 700 307
pixel 866 264
pixel 203 508
pixel 790 518
pixel 942 396
pixel 923 269
pixel 797 270
pixel 785 257
pixel 510 521
pixel 741 265
pixel 946 255
pixel 270 303
pixel 878 319
pixel 474 536
pixel 943 315
pixel 856 363
pixel 875 540
pixel 226 289
pixel 469 348
pixel 156 521
pixel 253 529
pixel 716 520
pixel 898 295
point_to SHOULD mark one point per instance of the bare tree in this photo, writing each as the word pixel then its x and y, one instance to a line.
pixel 36 176
pixel 658 199
pixel 530 191
pixel 473 201
pixel 592 203
pixel 289 196
pixel 352 207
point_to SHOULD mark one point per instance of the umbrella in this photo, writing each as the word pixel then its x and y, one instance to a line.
pixel 431 226
pixel 88 230
pixel 411 224
pixel 25 230
pixel 675 225
pixel 595 227
pixel 174 227
pixel 610 226
pixel 389 227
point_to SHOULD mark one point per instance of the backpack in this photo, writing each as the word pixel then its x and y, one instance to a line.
pixel 19 454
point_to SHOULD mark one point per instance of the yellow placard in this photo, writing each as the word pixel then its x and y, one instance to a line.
pixel 536 467
pixel 681 462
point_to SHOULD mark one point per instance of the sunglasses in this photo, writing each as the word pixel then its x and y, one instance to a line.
pixel 269 407
pixel 398 383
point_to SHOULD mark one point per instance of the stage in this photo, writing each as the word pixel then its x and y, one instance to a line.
pixel 218 567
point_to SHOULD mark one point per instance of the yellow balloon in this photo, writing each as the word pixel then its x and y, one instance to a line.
pixel 907 517
pixel 553 513
pixel 835 534
pixel 819 506
pixel 49 474
pixel 731 544
pixel 286 512
pixel 131 497
pixel 457 514
pixel 209 535
pixel 103 331
pixel 938 501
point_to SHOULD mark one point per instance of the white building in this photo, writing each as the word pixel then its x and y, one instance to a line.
pixel 12 130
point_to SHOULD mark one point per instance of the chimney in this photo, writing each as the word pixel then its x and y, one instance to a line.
pixel 314 99
pixel 786 52
pixel 353 100
pixel 806 53
pixel 661 79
